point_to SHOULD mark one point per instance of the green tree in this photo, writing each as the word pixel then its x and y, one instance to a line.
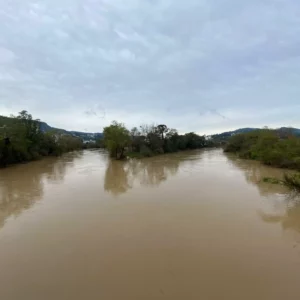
pixel 116 139
pixel 268 146
pixel 137 139
pixel 21 139
pixel 32 127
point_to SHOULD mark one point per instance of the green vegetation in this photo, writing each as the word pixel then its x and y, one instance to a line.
pixel 148 140
pixel 278 148
pixel 274 148
pixel 22 140
pixel 292 181
pixel 116 139
pixel 272 180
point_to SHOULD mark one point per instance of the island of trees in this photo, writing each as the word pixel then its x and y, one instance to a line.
pixel 149 140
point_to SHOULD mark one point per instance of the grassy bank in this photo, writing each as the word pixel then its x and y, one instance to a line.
pixel 273 148
pixel 292 181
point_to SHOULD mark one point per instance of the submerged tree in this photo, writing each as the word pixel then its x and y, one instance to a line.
pixel 116 139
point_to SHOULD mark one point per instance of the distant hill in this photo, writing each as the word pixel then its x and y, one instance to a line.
pixel 228 134
pixel 85 136
pixel 295 131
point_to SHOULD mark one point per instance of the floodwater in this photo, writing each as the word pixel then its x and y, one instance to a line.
pixel 191 225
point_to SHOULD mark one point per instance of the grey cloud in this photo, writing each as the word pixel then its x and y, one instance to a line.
pixel 6 56
pixel 195 64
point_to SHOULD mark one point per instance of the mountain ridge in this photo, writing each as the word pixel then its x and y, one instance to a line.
pixel 44 127
pixel 92 136
pixel 227 134
pixel 85 136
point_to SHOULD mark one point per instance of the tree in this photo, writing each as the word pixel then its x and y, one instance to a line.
pixel 116 138
pixel 32 127
pixel 194 141
pixel 137 140
pixel 268 146
pixel 21 139
pixel 172 140
pixel 162 129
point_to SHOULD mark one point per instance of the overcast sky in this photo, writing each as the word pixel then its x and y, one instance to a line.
pixel 196 65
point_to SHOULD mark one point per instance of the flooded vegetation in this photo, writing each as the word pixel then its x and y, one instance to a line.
pixel 189 225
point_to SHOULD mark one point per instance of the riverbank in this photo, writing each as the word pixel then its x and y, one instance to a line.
pixel 41 157
pixel 272 148
pixel 139 155
pixel 22 140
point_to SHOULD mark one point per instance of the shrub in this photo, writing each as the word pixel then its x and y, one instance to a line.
pixel 292 180
pixel 267 146
pixel 145 151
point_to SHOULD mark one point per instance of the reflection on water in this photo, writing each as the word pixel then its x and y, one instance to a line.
pixel 255 172
pixel 288 215
pixel 287 206
pixel 121 175
pixel 191 225
pixel 290 219
pixel 116 178
pixel 22 185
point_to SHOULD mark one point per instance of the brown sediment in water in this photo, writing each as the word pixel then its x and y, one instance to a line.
pixel 190 225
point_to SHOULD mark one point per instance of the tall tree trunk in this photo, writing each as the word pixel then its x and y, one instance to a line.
pixel 122 153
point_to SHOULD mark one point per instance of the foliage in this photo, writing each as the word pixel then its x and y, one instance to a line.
pixel 222 138
pixel 21 140
pixel 272 180
pixel 292 181
pixel 99 143
pixel 272 147
pixel 148 140
pixel 116 138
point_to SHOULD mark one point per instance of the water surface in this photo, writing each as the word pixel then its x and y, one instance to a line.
pixel 191 225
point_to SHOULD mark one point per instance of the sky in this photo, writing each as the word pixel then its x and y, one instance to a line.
pixel 196 65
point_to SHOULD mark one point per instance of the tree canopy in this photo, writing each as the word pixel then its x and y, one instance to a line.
pixel 116 138
pixel 21 140
pixel 272 147
pixel 148 140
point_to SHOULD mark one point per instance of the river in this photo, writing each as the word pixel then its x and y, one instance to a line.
pixel 191 225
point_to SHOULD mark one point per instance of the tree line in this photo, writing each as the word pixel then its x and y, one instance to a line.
pixel 275 148
pixel 22 140
pixel 148 140
pixel 272 147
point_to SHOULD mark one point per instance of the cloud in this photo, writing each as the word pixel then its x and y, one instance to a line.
pixel 196 65
pixel 6 56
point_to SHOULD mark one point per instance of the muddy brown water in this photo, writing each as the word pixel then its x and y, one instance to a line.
pixel 191 225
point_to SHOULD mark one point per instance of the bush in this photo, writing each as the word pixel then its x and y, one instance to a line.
pixel 145 151
pixel 296 162
pixel 267 146
pixel 272 180
pixel 292 181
